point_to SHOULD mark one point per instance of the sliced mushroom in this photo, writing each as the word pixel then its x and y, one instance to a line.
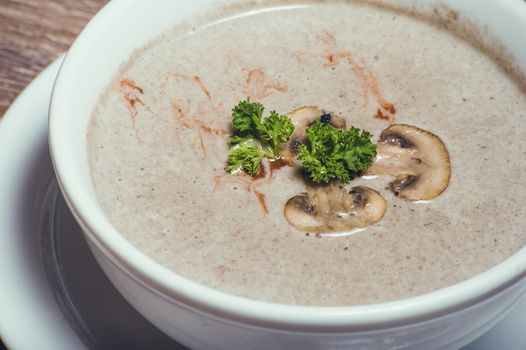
pixel 331 208
pixel 301 118
pixel 418 159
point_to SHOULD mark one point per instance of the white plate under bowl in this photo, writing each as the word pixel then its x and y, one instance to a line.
pixel 53 295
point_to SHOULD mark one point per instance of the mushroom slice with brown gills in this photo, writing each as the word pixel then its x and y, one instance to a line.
pixel 418 159
pixel 330 208
pixel 302 117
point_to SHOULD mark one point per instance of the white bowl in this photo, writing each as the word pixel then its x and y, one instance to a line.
pixel 201 317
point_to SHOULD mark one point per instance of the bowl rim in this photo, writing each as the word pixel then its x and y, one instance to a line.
pixel 189 294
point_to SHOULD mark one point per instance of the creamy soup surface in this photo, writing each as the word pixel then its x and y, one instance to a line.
pixel 157 148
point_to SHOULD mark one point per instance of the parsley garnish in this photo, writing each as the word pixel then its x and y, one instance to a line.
pixel 335 154
pixel 253 138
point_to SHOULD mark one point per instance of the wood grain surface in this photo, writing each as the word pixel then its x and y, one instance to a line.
pixel 32 34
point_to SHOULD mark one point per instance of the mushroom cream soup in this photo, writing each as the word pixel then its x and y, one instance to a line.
pixel 158 150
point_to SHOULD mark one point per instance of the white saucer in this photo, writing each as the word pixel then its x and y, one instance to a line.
pixel 53 295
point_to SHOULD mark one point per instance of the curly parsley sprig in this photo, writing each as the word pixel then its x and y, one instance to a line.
pixel 253 138
pixel 335 154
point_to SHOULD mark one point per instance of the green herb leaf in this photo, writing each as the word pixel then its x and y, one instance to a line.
pixel 253 139
pixel 246 118
pixel 276 129
pixel 335 154
pixel 245 158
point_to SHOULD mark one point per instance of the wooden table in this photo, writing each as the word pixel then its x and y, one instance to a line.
pixel 32 34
